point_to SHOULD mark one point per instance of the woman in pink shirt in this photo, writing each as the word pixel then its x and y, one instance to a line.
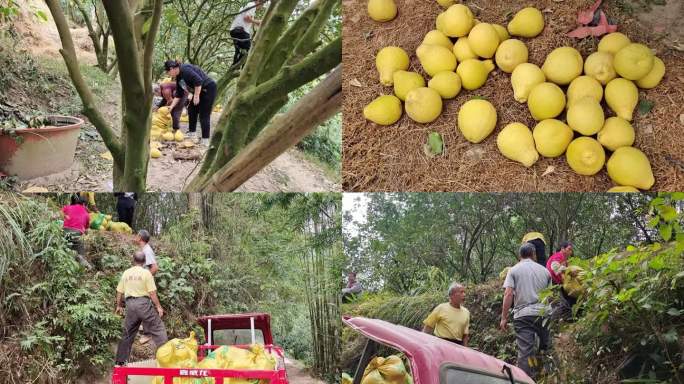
pixel 556 265
pixel 76 222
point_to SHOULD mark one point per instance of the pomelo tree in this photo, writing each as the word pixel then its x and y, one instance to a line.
pixel 288 52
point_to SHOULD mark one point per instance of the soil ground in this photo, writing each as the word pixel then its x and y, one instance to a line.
pixel 391 158
pixel 290 172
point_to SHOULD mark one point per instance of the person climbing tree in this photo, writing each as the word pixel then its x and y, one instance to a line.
pixel 167 91
pixel 537 239
pixel 76 223
pixel 137 287
pixel 450 321
pixel 192 80
pixel 125 206
pixel 242 29
pixel 522 286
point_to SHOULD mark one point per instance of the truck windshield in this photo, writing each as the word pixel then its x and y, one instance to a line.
pixel 236 336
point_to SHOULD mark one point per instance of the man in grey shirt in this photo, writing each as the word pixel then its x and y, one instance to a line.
pixel 522 286
pixel 150 259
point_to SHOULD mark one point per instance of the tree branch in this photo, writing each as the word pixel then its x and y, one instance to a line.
pixel 283 133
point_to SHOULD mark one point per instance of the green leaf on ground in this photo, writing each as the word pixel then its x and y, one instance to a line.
pixel 645 106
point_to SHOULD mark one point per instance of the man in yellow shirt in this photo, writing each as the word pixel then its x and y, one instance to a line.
pixel 450 321
pixel 138 288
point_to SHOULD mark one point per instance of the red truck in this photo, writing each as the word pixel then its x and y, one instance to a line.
pixel 238 330
pixel 431 359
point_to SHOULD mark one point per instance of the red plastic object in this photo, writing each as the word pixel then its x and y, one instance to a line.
pixel 601 29
pixel 233 321
pixel 428 353
pixel 586 17
pixel 43 151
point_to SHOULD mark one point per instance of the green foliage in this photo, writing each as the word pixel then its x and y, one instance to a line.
pixel 472 237
pixel 325 143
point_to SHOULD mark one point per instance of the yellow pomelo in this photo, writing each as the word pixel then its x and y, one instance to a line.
pixel 168 136
pixel 629 166
pixel 179 136
pixel 585 156
pixel 476 120
pixel 586 116
pixel 385 110
pixel 622 188
pixel 525 77
pixel 622 97
pixel 634 61
pixel 437 37
pixel 435 59
pixel 563 65
pixel 405 81
pixel 483 40
pixel 617 132
pixel 652 79
pixel 552 137
pixel 382 10
pixel 584 86
pixel 546 101
pixel 528 22
pixel 155 153
pixel 462 50
pixel 613 42
pixel 474 73
pixel 502 32
pixel 510 54
pixel 390 60
pixel 599 65
pixel 447 84
pixel 516 143
pixel 456 21
pixel 423 105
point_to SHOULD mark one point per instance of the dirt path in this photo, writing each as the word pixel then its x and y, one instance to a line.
pixel 297 374
pixel 290 172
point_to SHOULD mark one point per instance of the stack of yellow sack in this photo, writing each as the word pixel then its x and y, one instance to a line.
pixel 100 221
pixel 182 353
pixel 178 353
pixel 573 278
pixel 386 370
pixel 119 227
pixel 228 357
pixel 161 125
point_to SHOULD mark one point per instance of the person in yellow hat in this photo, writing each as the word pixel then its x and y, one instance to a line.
pixel 537 239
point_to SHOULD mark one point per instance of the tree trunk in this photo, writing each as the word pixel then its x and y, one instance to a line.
pixel 130 149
